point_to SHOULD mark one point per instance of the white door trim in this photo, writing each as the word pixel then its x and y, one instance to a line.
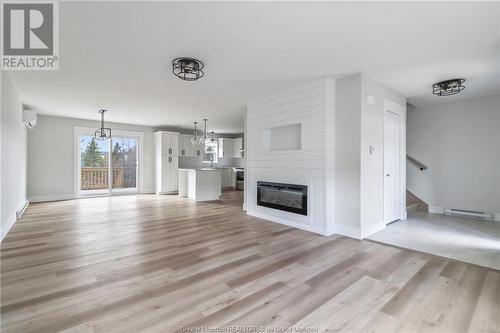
pixel 76 147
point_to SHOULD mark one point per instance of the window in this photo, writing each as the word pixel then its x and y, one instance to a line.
pixel 211 152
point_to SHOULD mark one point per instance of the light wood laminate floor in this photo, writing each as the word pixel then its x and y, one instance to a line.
pixel 160 264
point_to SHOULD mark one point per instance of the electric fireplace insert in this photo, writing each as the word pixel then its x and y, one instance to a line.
pixel 287 197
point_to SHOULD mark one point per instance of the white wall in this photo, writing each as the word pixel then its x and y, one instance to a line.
pixel 460 144
pixel 51 157
pixel 372 165
pixel 359 176
pixel 14 157
pixel 347 155
pixel 312 105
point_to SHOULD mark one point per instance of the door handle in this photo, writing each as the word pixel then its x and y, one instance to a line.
pixel 388 175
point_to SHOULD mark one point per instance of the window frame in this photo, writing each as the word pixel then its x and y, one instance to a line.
pixel 216 153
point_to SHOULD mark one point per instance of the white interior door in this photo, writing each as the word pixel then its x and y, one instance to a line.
pixel 391 167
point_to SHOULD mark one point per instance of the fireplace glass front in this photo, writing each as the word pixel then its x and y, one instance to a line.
pixel 287 197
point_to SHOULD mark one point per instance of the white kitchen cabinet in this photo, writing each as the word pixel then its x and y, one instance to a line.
pixel 233 178
pixel 166 162
pixel 198 150
pixel 237 147
pixel 186 148
pixel 200 184
pixel 226 177
pixel 225 148
pixel 167 177
pixel 167 143
pixel 184 145
pixel 173 175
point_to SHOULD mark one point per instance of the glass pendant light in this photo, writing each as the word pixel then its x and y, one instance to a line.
pixel 204 139
pixel 102 133
pixel 194 139
pixel 212 136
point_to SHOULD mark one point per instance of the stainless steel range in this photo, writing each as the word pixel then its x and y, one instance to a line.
pixel 240 179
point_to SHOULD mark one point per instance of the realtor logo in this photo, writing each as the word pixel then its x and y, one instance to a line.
pixel 30 39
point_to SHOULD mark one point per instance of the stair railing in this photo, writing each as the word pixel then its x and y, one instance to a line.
pixel 418 164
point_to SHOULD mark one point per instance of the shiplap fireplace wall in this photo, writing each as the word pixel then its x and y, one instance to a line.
pixel 290 139
pixel 326 136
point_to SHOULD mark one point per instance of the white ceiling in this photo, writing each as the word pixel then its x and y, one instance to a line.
pixel 117 55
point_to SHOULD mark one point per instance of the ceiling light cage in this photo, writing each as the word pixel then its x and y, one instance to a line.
pixel 448 87
pixel 188 69
pixel 102 133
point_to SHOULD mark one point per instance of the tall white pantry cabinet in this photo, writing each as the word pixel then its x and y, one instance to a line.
pixel 166 162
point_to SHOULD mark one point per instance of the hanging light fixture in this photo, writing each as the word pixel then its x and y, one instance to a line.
pixel 102 133
pixel 204 139
pixel 188 69
pixel 448 87
pixel 194 139
pixel 212 136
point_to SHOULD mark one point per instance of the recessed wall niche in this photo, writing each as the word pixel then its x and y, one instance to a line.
pixel 282 138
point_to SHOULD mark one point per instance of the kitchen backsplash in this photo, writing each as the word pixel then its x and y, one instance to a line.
pixel 195 162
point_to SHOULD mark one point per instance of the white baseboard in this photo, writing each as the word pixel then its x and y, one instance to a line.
pixel 436 210
pixel 47 198
pixel 348 231
pixel 285 222
pixel 21 211
pixel 61 197
pixel 9 224
pixel 4 230
pixel 496 217
pixel 166 192
pixel 372 229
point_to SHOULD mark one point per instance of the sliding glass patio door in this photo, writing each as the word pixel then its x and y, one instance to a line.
pixel 124 163
pixel 94 166
pixel 106 167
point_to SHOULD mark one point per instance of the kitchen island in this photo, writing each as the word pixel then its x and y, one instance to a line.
pixel 200 184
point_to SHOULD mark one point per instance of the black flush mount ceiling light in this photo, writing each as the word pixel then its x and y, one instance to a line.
pixel 102 133
pixel 448 87
pixel 188 69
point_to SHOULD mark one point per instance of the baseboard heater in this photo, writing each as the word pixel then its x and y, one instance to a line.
pixel 468 213
pixel 20 212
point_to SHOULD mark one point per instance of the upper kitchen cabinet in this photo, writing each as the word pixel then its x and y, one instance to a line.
pixel 187 149
pixel 225 148
pixel 230 148
pixel 185 145
pixel 237 147
pixel 167 143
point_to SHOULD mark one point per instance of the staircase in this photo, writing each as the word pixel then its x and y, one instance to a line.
pixel 415 204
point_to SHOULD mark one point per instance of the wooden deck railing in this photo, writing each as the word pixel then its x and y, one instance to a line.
pixel 97 178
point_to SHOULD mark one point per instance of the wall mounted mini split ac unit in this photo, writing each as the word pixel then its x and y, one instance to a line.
pixel 29 118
